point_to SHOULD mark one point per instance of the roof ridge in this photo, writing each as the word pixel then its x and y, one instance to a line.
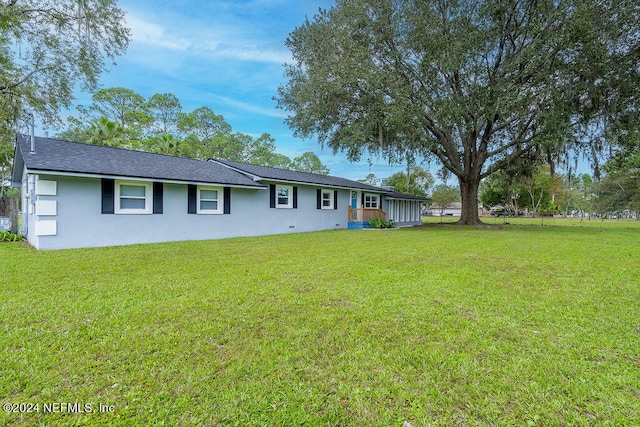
pixel 291 170
pixel 86 144
pixel 271 167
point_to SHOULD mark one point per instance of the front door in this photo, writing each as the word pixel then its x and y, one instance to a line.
pixel 354 199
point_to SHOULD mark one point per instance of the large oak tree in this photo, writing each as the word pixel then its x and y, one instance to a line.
pixel 477 84
pixel 47 47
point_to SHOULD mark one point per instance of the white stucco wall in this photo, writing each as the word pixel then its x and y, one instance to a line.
pixel 80 223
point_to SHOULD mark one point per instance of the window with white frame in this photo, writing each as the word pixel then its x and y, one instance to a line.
pixel 210 200
pixel 371 201
pixel 327 199
pixel 284 196
pixel 133 197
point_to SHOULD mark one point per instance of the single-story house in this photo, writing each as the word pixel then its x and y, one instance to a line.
pixel 79 195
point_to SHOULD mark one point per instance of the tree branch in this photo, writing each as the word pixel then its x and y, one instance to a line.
pixel 518 140
pixel 4 89
pixel 505 161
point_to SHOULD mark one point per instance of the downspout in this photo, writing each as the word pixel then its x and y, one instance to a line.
pixel 29 188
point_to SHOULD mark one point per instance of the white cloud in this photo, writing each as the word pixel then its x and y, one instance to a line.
pixel 251 108
pixel 154 34
pixel 213 40
pixel 249 53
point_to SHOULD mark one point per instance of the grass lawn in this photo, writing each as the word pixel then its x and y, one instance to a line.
pixel 431 326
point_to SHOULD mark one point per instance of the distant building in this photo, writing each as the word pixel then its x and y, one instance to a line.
pixel 454 209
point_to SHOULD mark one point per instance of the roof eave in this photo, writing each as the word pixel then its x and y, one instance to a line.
pixel 406 198
pixel 318 184
pixel 142 178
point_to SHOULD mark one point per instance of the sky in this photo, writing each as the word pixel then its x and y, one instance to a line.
pixel 228 56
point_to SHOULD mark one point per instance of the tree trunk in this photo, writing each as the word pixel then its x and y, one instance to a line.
pixel 469 192
pixel 9 207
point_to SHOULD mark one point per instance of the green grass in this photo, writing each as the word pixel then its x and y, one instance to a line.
pixel 435 326
pixel 542 221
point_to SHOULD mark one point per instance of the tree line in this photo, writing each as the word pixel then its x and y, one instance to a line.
pixel 535 185
pixel 120 117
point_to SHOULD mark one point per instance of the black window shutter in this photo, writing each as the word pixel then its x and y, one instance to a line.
pixel 272 195
pixel 108 187
pixel 362 200
pixel 227 200
pixel 335 199
pixel 158 188
pixel 295 197
pixel 318 199
pixel 192 198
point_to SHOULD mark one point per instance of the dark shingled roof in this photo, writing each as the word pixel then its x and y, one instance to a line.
pixel 298 177
pixel 404 196
pixel 55 155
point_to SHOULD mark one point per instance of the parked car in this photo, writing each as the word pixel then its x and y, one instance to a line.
pixel 500 211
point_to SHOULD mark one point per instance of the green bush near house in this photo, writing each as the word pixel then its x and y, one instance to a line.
pixel 380 223
pixel 433 326
pixel 6 236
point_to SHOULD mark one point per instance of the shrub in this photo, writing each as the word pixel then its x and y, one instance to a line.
pixel 5 236
pixel 379 223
